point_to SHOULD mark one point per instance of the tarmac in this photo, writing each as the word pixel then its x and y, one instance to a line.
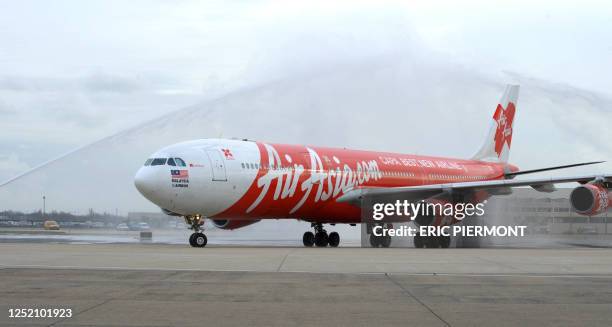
pixel 176 285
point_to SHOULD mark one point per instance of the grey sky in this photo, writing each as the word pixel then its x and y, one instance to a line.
pixel 73 72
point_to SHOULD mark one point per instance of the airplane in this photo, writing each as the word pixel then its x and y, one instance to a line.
pixel 235 183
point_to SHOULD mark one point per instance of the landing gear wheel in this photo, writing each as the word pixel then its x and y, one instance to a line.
pixel 431 242
pixel 334 239
pixel 308 239
pixel 419 242
pixel 374 241
pixel 444 241
pixel 385 241
pixel 321 239
pixel 198 240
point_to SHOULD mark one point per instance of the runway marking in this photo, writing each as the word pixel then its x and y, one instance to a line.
pixel 416 299
pixel 283 261
pixel 434 274
pixel 128 291
pixel 80 312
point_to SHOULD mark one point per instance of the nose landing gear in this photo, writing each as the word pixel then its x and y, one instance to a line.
pixel 320 238
pixel 197 239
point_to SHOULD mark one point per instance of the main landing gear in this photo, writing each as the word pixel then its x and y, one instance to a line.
pixel 432 241
pixel 376 241
pixel 380 241
pixel 197 239
pixel 320 238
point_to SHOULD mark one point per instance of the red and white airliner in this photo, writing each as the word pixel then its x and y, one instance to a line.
pixel 235 183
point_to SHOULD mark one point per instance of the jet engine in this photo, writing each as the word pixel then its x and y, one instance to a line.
pixel 232 224
pixel 591 199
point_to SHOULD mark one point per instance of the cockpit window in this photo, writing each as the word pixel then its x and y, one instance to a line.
pixel 162 161
pixel 158 162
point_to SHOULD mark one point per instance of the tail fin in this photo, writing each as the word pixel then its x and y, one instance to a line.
pixel 496 146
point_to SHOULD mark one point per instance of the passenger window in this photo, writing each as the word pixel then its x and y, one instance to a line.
pixel 242 164
pixel 148 162
pixel 171 162
pixel 158 162
pixel 180 162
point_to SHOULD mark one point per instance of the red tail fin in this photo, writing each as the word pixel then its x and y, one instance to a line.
pixel 499 138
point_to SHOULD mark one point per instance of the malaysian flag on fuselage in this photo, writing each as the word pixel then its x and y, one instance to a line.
pixel 179 173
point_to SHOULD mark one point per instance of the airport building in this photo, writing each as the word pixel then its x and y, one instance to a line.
pixel 547 213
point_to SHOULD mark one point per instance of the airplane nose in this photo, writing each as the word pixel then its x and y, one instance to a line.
pixel 144 182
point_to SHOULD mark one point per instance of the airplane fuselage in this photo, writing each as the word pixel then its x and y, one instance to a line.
pixel 240 179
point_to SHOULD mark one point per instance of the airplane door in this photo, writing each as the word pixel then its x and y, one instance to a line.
pixel 217 165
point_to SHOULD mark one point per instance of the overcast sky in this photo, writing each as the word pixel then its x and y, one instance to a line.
pixel 72 72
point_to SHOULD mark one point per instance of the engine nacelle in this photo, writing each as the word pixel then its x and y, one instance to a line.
pixel 232 224
pixel 590 199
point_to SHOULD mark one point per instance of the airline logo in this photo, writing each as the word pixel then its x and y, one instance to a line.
pixel 294 179
pixel 311 178
pixel 228 154
pixel 503 134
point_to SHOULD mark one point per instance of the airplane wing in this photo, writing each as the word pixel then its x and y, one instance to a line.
pixel 496 186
